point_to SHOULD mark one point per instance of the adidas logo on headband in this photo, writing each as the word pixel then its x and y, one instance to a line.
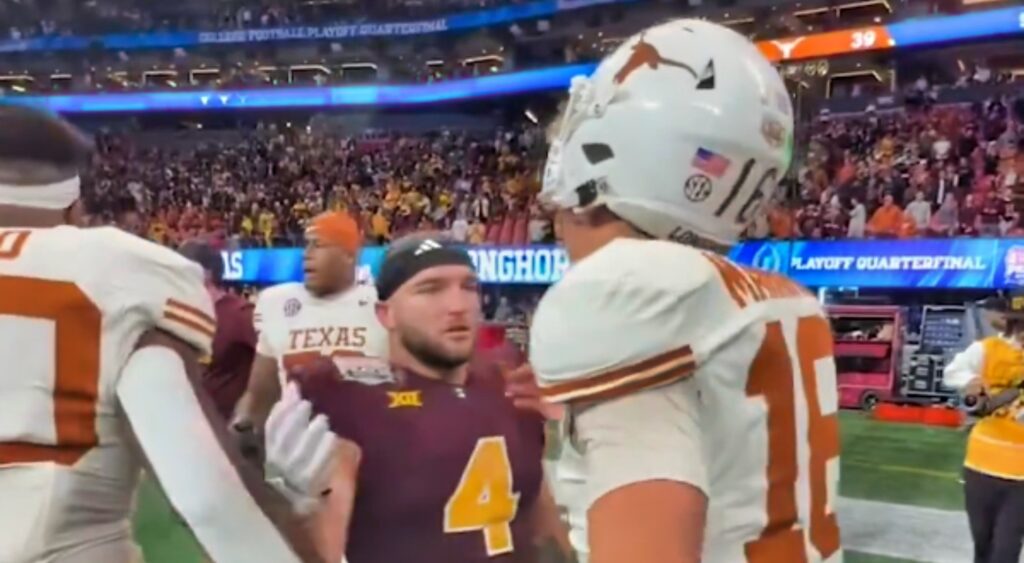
pixel 403 264
pixel 427 246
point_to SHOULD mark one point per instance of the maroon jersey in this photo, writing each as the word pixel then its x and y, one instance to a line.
pixel 449 474
pixel 234 347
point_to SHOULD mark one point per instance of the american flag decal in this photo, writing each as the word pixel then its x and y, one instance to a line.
pixel 710 163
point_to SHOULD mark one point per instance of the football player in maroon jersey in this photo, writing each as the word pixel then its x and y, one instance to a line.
pixel 446 469
pixel 234 344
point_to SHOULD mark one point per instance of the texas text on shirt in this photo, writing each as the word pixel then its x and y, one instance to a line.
pixel 675 363
pixel 68 469
pixel 294 325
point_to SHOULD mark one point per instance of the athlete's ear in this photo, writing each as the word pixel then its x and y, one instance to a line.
pixel 75 215
pixel 384 315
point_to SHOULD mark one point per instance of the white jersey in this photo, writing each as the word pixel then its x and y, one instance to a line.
pixel 702 372
pixel 295 325
pixel 73 304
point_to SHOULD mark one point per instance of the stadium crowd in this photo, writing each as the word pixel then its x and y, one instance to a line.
pixel 259 188
pixel 923 171
pixel 936 172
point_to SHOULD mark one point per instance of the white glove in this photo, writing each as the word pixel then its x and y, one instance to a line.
pixel 300 454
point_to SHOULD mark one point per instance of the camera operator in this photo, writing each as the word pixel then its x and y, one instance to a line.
pixel 989 374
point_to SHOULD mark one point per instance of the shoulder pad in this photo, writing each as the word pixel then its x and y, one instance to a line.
pixel 630 313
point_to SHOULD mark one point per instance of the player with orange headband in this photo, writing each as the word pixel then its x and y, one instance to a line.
pixel 326 315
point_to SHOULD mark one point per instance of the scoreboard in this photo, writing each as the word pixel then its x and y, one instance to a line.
pixel 928 32
pixel 821 45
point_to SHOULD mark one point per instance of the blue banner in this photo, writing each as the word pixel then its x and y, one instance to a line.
pixel 540 265
pixel 963 27
pixel 341 96
pixel 922 263
pixel 165 40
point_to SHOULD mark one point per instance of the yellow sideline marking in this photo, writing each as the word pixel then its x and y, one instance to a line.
pixel 902 469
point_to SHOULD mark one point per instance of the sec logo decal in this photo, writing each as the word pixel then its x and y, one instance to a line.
pixel 292 307
pixel 697 188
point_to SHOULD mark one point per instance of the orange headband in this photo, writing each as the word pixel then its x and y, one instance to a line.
pixel 336 228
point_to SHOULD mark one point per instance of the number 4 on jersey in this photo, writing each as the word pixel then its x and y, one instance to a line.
pixel 772 379
pixel 484 501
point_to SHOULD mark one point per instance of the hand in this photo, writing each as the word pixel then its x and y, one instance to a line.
pixel 521 386
pixel 974 387
pixel 301 454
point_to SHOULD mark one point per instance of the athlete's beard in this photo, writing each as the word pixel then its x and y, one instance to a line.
pixel 431 355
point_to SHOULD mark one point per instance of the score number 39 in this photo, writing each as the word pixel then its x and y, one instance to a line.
pixel 863 39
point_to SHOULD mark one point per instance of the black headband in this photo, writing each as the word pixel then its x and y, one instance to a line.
pixel 402 265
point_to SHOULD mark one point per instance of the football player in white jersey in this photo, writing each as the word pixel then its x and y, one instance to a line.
pixel 99 336
pixel 700 394
pixel 329 314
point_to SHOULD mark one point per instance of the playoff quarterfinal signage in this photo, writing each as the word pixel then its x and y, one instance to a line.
pixel 920 263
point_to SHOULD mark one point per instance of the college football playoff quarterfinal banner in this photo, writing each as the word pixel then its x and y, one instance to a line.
pixel 174 39
pixel 922 263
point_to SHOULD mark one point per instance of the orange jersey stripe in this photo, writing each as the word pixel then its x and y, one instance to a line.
pixel 182 308
pixel 187 322
pixel 22 452
pixel 664 368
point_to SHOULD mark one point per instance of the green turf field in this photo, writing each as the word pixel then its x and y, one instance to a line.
pixel 897 463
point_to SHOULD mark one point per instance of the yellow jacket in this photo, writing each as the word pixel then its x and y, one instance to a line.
pixel 996 443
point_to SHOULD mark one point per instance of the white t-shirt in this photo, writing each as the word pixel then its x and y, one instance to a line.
pixel 700 371
pixel 538 229
pixel 460 229
pixel 294 325
pixel 920 212
pixel 73 304
pixel 858 221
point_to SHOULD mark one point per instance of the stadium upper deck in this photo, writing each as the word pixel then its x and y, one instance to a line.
pixel 484 40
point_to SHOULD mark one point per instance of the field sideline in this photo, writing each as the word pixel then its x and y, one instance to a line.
pixel 902 464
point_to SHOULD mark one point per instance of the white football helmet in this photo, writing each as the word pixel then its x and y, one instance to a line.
pixel 684 131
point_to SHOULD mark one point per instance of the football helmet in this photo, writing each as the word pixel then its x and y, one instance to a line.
pixel 684 132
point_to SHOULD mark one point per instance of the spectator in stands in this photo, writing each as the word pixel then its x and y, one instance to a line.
pixel 920 212
pixel 539 226
pixel 944 221
pixel 460 229
pixel 989 216
pixel 858 219
pixel 887 220
pixel 969 216
pixel 129 220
